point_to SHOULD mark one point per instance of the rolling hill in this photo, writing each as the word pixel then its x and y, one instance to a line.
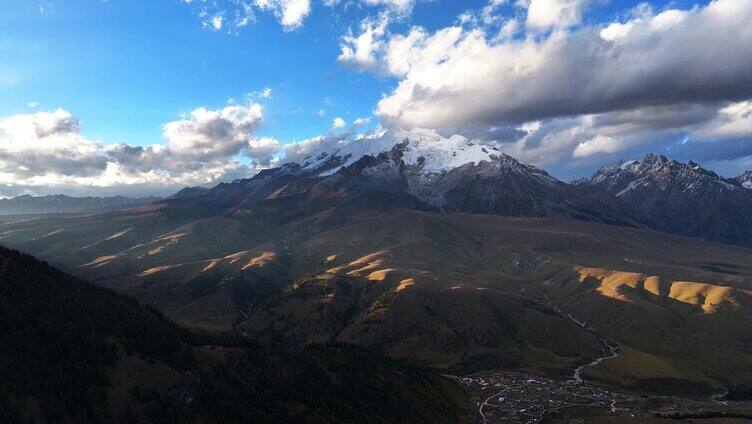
pixel 73 352
pixel 453 291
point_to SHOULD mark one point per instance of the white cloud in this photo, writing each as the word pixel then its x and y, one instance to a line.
pixel 321 113
pixel 213 133
pixel 467 78
pixel 291 13
pixel 732 121
pixel 359 122
pixel 559 140
pixel 265 93
pixel 338 123
pixel 233 15
pixel 32 105
pixel 598 144
pixel 44 143
pixel 401 6
pixel 299 151
pixel 359 51
pixel 46 150
pixel 216 22
pixel 263 150
pixel 488 13
pixel 543 15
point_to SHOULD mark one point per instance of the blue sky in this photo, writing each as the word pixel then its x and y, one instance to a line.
pixel 125 67
pixel 117 75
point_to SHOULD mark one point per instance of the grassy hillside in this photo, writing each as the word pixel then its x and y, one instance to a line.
pixel 73 352
pixel 453 291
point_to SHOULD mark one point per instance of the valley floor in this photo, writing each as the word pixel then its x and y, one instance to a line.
pixel 521 398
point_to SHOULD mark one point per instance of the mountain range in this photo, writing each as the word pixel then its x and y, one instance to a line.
pixel 419 169
pixel 27 204
pixel 678 198
pixel 447 253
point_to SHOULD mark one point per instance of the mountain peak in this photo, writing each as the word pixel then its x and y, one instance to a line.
pixel 681 198
pixel 427 148
pixel 656 167
pixel 653 158
pixel 745 179
pixel 189 192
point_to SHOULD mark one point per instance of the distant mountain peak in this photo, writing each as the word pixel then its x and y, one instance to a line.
pixel 677 197
pixel 189 192
pixel 745 179
pixel 653 158
pixel 659 171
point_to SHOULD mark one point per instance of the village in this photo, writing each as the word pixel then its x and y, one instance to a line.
pixel 519 398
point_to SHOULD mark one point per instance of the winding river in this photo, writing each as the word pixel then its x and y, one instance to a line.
pixel 610 348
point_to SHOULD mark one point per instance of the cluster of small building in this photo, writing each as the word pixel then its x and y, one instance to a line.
pixel 517 398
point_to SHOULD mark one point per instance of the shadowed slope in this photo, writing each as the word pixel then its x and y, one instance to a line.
pixel 74 352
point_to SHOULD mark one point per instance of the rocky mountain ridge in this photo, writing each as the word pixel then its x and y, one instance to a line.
pixel 420 169
pixel 745 179
pixel 675 197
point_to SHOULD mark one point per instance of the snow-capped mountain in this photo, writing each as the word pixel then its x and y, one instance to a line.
pixel 680 198
pixel 659 173
pixel 745 179
pixel 426 148
pixel 421 169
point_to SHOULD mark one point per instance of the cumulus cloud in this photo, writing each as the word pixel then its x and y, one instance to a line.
pixel 457 76
pixel 299 151
pixel 562 139
pixel 359 51
pixel 47 150
pixel 547 88
pixel 732 121
pixel 209 134
pixel 33 146
pixel 543 15
pixel 338 123
pixel 264 150
pixel 597 144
